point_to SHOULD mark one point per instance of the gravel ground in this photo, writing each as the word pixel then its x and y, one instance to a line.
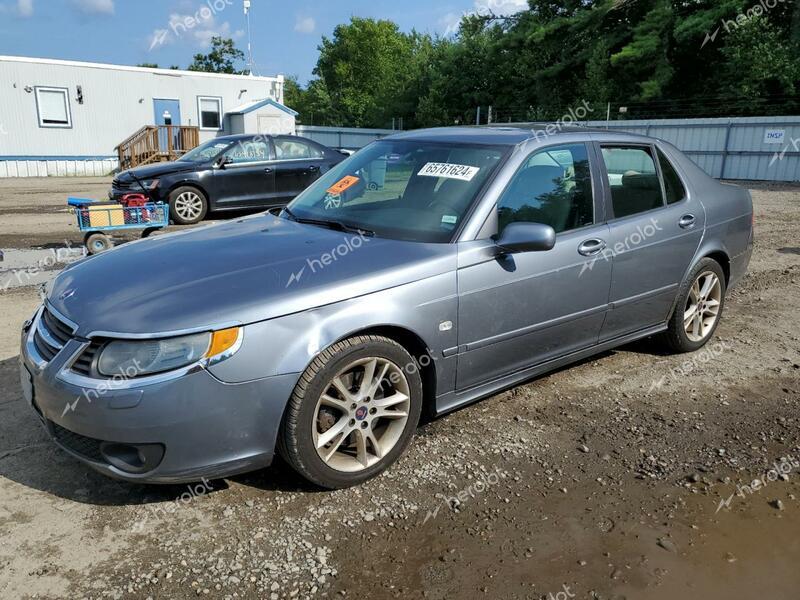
pixel 632 475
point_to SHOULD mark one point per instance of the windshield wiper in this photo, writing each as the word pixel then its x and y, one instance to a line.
pixel 330 224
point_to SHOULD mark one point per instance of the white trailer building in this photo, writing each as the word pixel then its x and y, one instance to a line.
pixel 75 118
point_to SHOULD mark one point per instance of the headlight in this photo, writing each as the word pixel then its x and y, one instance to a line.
pixel 147 357
pixel 150 184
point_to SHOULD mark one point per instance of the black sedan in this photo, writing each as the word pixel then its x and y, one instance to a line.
pixel 231 172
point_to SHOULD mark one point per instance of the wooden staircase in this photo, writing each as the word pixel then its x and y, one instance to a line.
pixel 157 143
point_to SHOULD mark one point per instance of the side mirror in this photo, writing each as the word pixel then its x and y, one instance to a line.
pixel 223 161
pixel 526 237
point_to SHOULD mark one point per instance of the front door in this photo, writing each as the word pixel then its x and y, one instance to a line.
pixel 298 164
pixel 247 180
pixel 168 112
pixel 655 231
pixel 516 310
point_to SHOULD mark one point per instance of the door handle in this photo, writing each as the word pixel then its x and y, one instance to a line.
pixel 687 221
pixel 313 169
pixel 268 171
pixel 591 247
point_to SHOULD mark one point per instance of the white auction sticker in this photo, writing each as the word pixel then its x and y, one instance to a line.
pixel 449 171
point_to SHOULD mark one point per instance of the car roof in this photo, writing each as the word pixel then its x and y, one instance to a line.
pixel 247 136
pixel 507 135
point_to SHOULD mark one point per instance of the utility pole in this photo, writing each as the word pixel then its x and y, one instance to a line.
pixel 608 115
pixel 249 43
pixel 478 117
pixel 489 122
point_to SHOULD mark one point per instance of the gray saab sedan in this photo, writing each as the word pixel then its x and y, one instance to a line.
pixel 427 271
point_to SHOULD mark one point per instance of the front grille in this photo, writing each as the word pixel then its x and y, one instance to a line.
pixel 80 444
pixel 123 185
pixel 51 335
pixel 84 364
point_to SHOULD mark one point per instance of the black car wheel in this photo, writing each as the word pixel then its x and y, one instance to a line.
pixel 187 205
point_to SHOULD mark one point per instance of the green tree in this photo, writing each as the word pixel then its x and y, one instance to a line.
pixel 221 59
pixel 366 68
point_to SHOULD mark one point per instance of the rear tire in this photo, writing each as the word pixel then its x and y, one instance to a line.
pixel 698 309
pixel 353 412
pixel 187 205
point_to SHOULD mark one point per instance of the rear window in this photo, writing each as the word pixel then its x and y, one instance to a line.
pixel 672 181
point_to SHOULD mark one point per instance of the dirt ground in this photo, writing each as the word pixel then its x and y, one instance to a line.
pixel 632 475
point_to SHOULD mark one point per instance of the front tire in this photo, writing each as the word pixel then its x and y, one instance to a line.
pixel 187 205
pixel 353 412
pixel 698 309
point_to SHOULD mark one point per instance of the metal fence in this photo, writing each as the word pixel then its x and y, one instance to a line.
pixel 752 148
pixel 350 138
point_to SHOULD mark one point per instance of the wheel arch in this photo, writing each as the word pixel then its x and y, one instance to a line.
pixel 416 347
pixel 188 183
pixel 724 261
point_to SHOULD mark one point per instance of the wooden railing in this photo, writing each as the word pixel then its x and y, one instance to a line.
pixel 157 143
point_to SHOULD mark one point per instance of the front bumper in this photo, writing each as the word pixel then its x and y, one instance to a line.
pixel 177 431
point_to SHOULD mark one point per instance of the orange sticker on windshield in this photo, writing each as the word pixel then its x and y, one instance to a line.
pixel 343 184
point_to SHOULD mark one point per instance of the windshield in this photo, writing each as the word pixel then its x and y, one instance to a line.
pixel 409 190
pixel 205 152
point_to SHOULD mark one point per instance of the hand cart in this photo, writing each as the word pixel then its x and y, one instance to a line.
pixel 95 218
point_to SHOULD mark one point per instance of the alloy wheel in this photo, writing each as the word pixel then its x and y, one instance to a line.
pixel 361 414
pixel 702 306
pixel 189 206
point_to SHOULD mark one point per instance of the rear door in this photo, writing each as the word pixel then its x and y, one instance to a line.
pixel 248 180
pixel 298 163
pixel 655 229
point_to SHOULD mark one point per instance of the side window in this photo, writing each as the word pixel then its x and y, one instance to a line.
pixel 288 149
pixel 635 187
pixel 553 187
pixel 672 181
pixel 255 150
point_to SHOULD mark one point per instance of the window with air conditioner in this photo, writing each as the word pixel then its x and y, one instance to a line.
pixel 210 110
pixel 52 105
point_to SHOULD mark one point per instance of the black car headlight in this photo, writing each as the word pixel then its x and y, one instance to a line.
pixel 135 358
pixel 150 184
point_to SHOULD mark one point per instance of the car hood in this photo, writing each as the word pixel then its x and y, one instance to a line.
pixel 151 171
pixel 238 272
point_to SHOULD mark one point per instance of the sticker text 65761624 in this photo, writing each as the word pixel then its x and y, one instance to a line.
pixel 449 171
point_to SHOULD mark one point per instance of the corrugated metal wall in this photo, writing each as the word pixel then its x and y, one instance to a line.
pixel 350 138
pixel 724 148
pixel 729 148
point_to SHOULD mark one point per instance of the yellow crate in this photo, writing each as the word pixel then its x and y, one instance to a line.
pixel 106 216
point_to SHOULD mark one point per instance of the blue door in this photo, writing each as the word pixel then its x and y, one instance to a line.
pixel 168 112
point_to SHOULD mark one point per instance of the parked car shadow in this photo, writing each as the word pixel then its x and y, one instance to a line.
pixel 28 457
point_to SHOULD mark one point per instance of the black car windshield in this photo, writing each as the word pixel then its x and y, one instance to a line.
pixel 408 190
pixel 205 152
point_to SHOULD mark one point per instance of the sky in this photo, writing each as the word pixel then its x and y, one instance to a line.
pixel 285 35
